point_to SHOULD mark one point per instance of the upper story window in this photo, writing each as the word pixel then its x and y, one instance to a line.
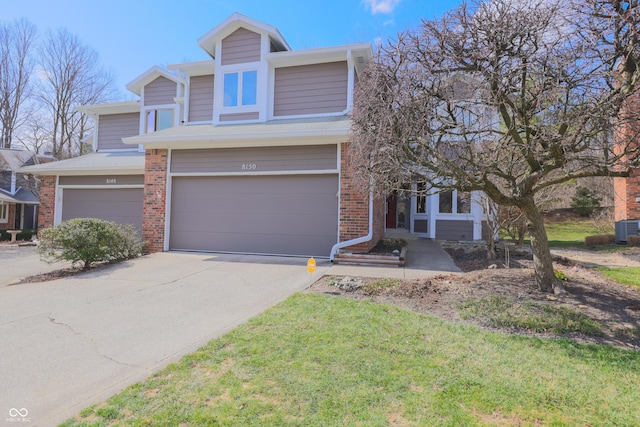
pixel 158 119
pixel 454 202
pixel 241 88
pixel 4 212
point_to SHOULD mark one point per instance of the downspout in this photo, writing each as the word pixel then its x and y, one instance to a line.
pixel 357 240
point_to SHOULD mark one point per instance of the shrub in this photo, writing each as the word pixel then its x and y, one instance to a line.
pixel 387 245
pixel 599 240
pixel 89 240
pixel 633 240
pixel 585 201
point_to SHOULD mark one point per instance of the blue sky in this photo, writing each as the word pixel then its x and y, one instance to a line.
pixel 133 35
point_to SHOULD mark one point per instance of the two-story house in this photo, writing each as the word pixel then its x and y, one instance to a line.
pixel 19 195
pixel 244 152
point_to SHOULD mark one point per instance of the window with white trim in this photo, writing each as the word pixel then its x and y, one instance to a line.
pixel 421 197
pixel 240 89
pixel 4 212
pixel 158 119
pixel 454 202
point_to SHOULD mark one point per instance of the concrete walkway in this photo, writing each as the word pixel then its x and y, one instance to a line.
pixel 425 258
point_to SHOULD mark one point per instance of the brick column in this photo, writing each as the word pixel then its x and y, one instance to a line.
pixel 627 190
pixel 46 209
pixel 354 208
pixel 155 196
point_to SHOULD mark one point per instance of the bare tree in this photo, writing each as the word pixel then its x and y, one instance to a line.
pixel 36 133
pixel 505 97
pixel 16 65
pixel 71 76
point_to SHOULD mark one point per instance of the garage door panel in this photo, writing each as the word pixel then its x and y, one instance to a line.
pixel 234 205
pixel 296 215
pixel 120 205
pixel 261 244
pixel 250 223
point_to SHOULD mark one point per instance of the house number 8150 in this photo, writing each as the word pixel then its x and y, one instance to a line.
pixel 249 166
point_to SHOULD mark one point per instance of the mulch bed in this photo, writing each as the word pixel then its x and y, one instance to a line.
pixel 615 307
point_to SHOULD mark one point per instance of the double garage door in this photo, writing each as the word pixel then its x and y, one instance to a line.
pixel 270 214
pixel 283 201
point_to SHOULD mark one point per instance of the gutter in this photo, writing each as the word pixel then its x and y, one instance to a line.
pixel 357 240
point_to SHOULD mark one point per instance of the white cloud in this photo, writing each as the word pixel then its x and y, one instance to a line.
pixel 381 6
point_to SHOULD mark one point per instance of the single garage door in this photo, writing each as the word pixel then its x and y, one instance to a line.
pixel 121 205
pixel 286 215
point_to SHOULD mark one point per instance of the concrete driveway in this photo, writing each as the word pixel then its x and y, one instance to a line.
pixel 72 342
pixel 17 262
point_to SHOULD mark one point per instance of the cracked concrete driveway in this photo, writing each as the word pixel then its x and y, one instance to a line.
pixel 72 342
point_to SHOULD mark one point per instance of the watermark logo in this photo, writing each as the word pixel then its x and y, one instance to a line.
pixel 18 416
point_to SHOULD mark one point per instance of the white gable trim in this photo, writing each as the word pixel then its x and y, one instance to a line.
pixel 150 75
pixel 208 42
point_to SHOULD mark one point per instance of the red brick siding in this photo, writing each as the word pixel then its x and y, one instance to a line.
pixel 155 196
pixel 46 210
pixel 354 208
pixel 11 215
pixel 626 190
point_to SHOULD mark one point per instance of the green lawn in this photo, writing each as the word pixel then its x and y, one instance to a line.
pixel 317 360
pixel 624 275
pixel 568 233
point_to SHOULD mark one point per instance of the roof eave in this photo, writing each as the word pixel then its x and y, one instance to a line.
pixel 197 68
pixel 360 53
pixel 115 170
pixel 243 140
pixel 110 108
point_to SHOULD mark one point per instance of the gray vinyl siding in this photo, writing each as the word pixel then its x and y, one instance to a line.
pixel 420 226
pixel 241 46
pixel 298 158
pixel 161 91
pixel 113 127
pixel 102 180
pixel 254 115
pixel 311 89
pixel 201 98
pixel 120 205
pixel 286 214
pixel 454 230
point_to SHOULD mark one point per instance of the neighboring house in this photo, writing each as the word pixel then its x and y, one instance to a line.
pixel 626 191
pixel 19 196
pixel 245 152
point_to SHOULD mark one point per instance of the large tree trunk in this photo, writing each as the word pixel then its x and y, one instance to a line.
pixel 542 260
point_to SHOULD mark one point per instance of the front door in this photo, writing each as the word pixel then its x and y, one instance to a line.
pixel 391 211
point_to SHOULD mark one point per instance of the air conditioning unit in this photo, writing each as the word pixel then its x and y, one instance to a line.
pixel 626 228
